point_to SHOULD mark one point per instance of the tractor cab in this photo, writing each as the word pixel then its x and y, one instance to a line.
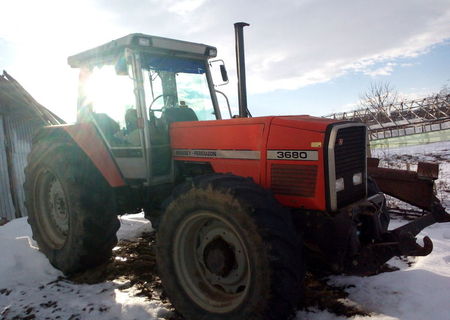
pixel 134 87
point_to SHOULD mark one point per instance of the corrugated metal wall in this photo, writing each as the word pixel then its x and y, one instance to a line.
pixel 20 116
pixel 21 132
pixel 18 132
pixel 7 209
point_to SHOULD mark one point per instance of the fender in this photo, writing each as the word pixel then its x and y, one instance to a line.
pixel 85 136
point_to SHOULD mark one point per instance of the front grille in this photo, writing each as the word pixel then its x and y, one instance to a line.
pixel 350 158
pixel 298 180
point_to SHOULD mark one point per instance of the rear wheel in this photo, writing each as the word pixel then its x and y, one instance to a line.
pixel 70 207
pixel 228 250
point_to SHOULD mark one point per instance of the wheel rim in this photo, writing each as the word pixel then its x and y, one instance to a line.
pixel 52 208
pixel 211 262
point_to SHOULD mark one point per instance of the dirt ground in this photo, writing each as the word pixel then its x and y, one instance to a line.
pixel 134 264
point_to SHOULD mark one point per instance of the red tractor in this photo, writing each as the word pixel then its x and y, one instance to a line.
pixel 238 204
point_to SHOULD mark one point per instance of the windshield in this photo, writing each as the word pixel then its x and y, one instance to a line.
pixel 176 82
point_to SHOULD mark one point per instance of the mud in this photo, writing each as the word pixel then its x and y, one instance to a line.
pixel 323 296
pixel 134 264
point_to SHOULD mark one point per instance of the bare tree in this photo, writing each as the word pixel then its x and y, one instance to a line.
pixel 445 90
pixel 379 97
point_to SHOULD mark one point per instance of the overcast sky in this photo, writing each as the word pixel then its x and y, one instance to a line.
pixel 303 57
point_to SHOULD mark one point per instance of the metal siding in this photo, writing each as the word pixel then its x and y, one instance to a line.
pixel 7 209
pixel 21 133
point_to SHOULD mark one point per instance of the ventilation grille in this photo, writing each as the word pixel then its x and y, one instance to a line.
pixel 298 180
pixel 350 158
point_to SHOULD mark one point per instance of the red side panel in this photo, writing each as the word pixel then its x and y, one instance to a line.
pixel 86 137
pixel 297 183
pixel 243 137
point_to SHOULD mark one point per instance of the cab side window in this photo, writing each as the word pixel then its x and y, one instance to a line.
pixel 112 104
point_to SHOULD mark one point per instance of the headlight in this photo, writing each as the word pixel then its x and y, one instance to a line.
pixel 339 184
pixel 211 52
pixel 357 178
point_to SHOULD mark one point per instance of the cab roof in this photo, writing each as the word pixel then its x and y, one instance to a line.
pixel 142 42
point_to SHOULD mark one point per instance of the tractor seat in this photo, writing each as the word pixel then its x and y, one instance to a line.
pixel 159 136
pixel 170 115
pixel 159 128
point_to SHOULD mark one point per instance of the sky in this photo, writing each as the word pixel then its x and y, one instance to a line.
pixel 303 56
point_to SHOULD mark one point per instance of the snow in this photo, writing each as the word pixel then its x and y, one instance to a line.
pixel 29 285
pixel 417 292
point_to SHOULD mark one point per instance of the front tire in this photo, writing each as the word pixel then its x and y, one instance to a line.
pixel 70 207
pixel 227 250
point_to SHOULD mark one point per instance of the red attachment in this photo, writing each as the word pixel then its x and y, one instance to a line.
pixel 416 188
pixel 426 170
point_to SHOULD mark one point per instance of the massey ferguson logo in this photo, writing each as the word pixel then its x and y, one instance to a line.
pixel 340 142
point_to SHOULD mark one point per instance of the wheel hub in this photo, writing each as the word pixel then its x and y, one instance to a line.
pixel 219 257
pixel 211 261
pixel 222 256
pixel 57 205
pixel 52 205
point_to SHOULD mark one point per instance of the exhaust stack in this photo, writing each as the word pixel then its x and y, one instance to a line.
pixel 240 64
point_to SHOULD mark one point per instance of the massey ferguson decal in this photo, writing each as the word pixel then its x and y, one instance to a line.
pixel 226 154
pixel 196 153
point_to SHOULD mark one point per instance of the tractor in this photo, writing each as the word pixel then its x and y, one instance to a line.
pixel 240 205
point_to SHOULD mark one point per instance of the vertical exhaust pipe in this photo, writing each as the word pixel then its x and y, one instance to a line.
pixel 240 64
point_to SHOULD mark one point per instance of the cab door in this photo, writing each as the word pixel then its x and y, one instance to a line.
pixel 107 98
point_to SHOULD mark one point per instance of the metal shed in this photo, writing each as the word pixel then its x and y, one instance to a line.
pixel 20 117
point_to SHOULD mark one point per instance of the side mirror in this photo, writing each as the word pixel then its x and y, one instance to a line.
pixel 223 72
pixel 223 79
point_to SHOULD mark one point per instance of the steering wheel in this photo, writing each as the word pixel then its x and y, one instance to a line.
pixel 158 97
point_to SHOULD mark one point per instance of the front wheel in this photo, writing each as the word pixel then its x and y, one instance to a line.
pixel 228 250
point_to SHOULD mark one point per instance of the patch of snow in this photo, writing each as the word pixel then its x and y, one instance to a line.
pixel 133 225
pixel 436 148
pixel 30 285
pixel 21 263
pixel 416 292
pixel 446 234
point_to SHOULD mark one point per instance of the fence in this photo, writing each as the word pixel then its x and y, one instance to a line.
pixel 404 118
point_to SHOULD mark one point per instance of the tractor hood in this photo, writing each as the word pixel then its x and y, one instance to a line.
pixel 303 122
pixel 249 133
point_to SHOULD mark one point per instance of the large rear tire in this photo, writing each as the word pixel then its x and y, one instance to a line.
pixel 226 249
pixel 70 207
